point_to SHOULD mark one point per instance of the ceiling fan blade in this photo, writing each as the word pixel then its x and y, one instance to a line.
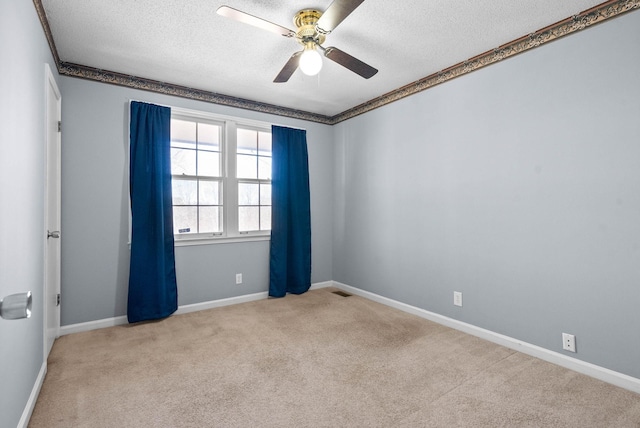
pixel 289 68
pixel 352 63
pixel 335 14
pixel 237 15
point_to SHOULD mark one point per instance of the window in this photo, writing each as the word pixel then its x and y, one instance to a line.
pixel 253 160
pixel 196 177
pixel 221 177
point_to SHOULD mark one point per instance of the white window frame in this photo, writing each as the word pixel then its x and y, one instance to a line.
pixel 230 231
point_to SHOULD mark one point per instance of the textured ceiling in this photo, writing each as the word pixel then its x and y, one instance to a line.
pixel 186 43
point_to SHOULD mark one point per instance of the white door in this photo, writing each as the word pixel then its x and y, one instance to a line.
pixel 52 211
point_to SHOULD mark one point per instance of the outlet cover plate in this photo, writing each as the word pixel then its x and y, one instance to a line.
pixel 568 342
pixel 238 278
pixel 457 298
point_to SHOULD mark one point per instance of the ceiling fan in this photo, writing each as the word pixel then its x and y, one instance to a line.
pixel 312 28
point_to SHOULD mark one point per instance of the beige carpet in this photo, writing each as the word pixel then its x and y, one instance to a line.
pixel 316 360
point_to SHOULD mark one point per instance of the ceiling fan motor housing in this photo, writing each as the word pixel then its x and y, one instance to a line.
pixel 305 21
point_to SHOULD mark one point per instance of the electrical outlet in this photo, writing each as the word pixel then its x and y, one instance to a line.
pixel 457 298
pixel 238 278
pixel 568 342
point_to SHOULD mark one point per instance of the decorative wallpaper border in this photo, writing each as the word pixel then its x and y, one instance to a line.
pixel 600 13
pixel 90 73
pixel 47 31
pixel 607 10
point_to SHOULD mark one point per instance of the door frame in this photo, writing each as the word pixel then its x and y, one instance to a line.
pixel 48 303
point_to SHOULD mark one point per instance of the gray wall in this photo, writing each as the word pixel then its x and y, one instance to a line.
pixel 518 185
pixel 23 53
pixel 95 254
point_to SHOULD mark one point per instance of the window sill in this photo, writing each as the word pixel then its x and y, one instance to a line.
pixel 186 242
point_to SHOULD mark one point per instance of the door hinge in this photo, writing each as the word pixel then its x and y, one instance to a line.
pixel 58 299
pixel 59 126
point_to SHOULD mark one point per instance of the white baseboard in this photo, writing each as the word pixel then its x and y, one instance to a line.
pixel 600 373
pixel 92 325
pixel 33 397
pixel 184 309
pixel 318 285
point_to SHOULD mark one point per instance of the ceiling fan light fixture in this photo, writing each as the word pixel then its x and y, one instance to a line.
pixel 310 61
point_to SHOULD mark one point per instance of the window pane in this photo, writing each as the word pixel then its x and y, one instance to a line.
pixel 183 162
pixel 209 193
pixel 248 194
pixel 184 192
pixel 247 166
pixel 183 134
pixel 264 168
pixel 265 194
pixel 247 141
pixel 248 218
pixel 208 164
pixel 264 143
pixel 265 218
pixel 210 220
pixel 209 137
pixel 185 220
